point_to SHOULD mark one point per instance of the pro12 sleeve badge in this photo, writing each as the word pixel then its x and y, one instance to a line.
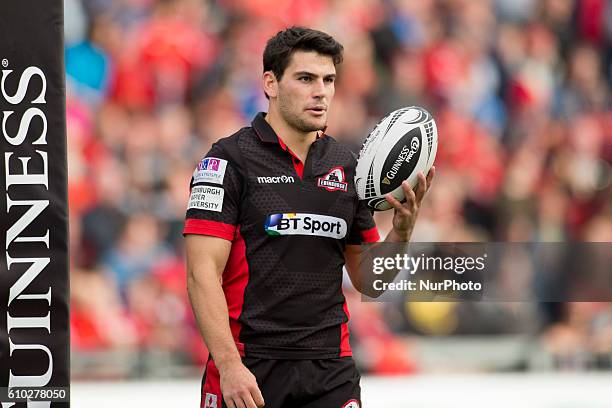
pixel 210 170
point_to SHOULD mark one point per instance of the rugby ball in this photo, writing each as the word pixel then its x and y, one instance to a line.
pixel 403 143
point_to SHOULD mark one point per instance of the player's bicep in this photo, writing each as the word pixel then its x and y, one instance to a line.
pixel 206 256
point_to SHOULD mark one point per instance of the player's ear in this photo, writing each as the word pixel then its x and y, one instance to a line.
pixel 270 84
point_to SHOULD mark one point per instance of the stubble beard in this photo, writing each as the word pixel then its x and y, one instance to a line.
pixel 295 121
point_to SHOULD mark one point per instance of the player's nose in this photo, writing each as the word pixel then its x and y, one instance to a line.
pixel 318 89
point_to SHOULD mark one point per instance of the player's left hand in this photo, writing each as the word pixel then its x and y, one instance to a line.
pixel 405 214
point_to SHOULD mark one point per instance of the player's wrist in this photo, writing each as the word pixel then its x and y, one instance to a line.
pixel 399 235
pixel 226 362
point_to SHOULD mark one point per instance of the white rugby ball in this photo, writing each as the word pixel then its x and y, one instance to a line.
pixel 403 143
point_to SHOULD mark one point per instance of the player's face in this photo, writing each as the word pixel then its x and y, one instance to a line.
pixel 305 91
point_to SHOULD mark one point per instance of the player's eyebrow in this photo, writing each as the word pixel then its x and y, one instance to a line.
pixel 310 74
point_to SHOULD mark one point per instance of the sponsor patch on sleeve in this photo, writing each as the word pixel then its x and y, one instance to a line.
pixel 206 198
pixel 210 170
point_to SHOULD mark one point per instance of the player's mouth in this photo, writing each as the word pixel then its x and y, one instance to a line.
pixel 317 110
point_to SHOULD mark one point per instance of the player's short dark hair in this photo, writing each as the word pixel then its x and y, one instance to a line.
pixel 281 47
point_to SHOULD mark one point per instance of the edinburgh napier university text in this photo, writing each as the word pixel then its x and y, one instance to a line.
pixel 22 179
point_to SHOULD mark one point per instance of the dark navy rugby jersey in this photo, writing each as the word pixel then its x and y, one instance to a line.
pixel 289 223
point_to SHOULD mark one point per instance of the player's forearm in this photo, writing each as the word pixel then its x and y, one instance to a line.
pixel 210 308
pixel 359 264
pixel 395 237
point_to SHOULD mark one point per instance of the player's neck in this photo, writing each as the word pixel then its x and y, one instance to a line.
pixel 298 142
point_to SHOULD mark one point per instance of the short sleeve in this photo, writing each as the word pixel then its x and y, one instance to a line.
pixel 214 196
pixel 363 229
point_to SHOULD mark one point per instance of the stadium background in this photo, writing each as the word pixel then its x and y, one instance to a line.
pixel 520 90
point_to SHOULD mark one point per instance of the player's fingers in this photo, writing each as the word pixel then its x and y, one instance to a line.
pixel 395 203
pixel 248 401
pixel 430 176
pixel 421 187
pixel 229 402
pixel 411 199
pixel 257 397
pixel 238 402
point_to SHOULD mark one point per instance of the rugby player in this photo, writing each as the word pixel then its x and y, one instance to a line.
pixel 272 218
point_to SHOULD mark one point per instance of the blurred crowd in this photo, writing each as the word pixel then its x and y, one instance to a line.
pixel 520 90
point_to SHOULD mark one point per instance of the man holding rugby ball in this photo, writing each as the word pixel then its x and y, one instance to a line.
pixel 272 218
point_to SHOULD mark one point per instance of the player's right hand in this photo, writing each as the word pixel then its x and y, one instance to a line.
pixel 239 387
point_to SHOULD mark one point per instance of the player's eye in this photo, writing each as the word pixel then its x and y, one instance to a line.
pixel 305 79
pixel 330 80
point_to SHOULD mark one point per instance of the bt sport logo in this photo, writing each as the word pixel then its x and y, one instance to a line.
pixel 305 224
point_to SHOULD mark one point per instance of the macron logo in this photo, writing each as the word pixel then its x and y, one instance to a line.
pixel 276 180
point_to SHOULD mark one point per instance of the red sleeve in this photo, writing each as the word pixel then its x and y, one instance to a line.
pixel 206 227
pixel 369 236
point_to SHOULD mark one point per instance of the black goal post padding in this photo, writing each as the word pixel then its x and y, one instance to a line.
pixel 34 282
